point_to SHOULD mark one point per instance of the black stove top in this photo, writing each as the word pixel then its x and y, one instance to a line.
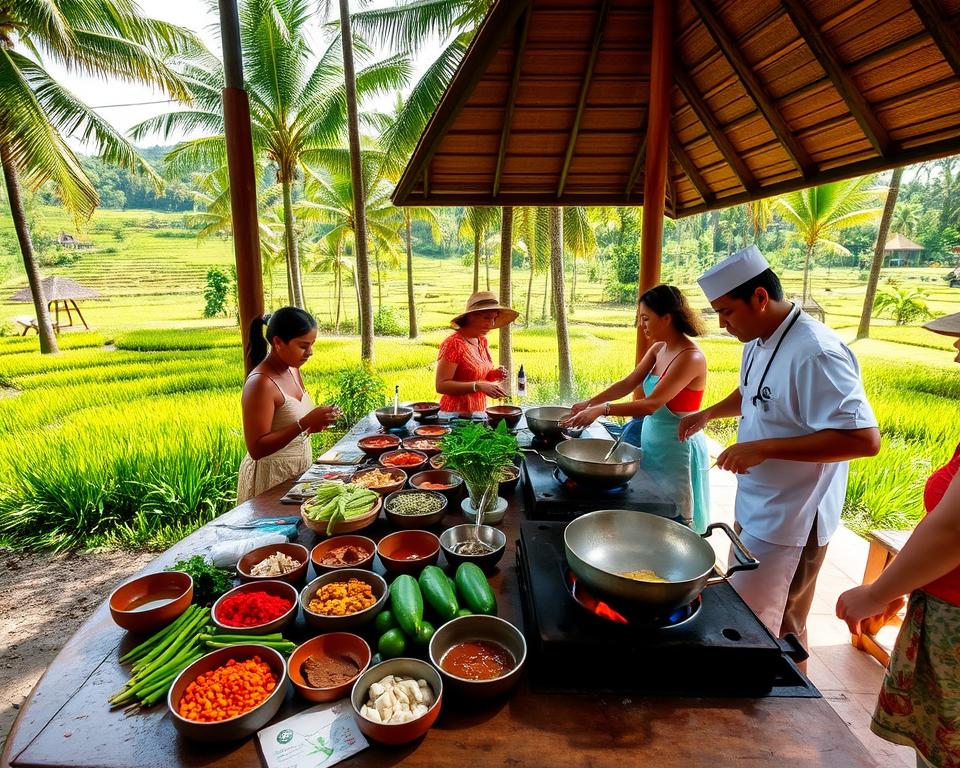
pixel 719 648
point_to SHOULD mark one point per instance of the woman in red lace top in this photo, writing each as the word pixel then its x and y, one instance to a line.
pixel 919 703
pixel 466 376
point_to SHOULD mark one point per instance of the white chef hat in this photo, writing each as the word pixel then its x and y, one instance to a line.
pixel 732 272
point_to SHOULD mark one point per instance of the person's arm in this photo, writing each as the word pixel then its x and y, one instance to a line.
pixel 825 446
pixel 618 389
pixel 727 408
pixel 259 402
pixel 932 551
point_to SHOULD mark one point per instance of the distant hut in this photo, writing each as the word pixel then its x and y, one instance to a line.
pixel 899 249
pixel 61 293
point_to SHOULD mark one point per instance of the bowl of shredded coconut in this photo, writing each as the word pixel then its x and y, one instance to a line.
pixel 284 562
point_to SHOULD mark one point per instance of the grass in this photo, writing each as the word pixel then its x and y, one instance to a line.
pixel 131 436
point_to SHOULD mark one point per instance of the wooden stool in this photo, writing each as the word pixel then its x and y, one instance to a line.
pixel 884 546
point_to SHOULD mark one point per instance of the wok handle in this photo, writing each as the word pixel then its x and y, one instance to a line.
pixel 791 646
pixel 745 560
pixel 542 457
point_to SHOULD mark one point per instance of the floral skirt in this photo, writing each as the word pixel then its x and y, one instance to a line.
pixel 919 703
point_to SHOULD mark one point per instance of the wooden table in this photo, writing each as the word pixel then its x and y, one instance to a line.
pixel 66 721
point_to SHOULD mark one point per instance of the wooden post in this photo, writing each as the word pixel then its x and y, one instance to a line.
pixel 243 178
pixel 657 150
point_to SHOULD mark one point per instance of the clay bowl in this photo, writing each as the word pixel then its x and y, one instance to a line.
pixel 345 526
pixel 414 521
pixel 333 645
pixel 390 443
pixel 399 476
pixel 489 535
pixel 509 483
pixel 423 411
pixel 437 462
pixel 296 551
pixel 431 430
pixel 241 726
pixel 150 602
pixel 441 477
pixel 360 542
pixel 390 420
pixel 271 587
pixel 353 620
pixel 399 733
pixel 428 445
pixel 422 547
pixel 508 413
pixel 385 460
pixel 471 628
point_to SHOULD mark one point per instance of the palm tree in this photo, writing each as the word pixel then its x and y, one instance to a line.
pixel 905 218
pixel 477 222
pixel 297 105
pixel 110 38
pixel 863 331
pixel 819 214
pixel 535 234
pixel 506 287
pixel 555 216
pixel 904 305
pixel 579 239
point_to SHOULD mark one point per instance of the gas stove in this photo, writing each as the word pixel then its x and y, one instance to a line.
pixel 716 646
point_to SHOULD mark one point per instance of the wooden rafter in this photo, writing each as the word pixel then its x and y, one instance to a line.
pixel 584 88
pixel 706 118
pixel 677 150
pixel 824 53
pixel 938 25
pixel 511 99
pixel 637 166
pixel 753 86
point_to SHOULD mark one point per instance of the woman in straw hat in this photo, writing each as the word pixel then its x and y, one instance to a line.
pixel 466 376
pixel 919 702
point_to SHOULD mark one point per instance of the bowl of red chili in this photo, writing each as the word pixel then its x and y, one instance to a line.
pixel 428 445
pixel 256 608
pixel 407 460
pixel 374 445
pixel 478 656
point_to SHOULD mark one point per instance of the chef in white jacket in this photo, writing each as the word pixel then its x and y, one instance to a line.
pixel 803 416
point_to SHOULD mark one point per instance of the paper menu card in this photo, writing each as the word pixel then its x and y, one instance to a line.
pixel 320 736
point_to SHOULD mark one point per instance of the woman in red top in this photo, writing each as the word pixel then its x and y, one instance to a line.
pixel 919 703
pixel 465 373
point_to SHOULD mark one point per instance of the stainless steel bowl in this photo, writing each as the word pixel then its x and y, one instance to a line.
pixel 489 535
pixel 392 420
pixel 351 621
pixel 466 629
pixel 544 422
pixel 241 726
pixel 397 733
pixel 583 460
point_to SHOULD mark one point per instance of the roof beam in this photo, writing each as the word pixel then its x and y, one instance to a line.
pixel 824 54
pixel 584 88
pixel 705 116
pixel 727 45
pixel 637 167
pixel 677 150
pixel 521 45
pixel 938 25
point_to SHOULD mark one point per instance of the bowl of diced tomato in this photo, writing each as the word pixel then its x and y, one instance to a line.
pixel 405 459
pixel 256 608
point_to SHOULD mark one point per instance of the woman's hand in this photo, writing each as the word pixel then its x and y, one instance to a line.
pixel 691 424
pixel 859 604
pixel 491 389
pixel 497 374
pixel 321 417
pixel 577 407
pixel 584 418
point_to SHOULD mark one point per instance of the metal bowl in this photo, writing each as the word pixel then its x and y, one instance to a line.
pixel 351 621
pixel 489 535
pixel 391 420
pixel 414 521
pixel 172 590
pixel 271 587
pixel 241 726
pixel 544 422
pixel 398 733
pixel 467 628
pixel 297 552
pixel 508 413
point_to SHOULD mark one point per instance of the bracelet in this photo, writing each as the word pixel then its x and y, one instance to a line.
pixel 300 427
pixel 474 386
pixel 606 409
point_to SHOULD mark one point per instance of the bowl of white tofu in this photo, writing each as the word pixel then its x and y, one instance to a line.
pixel 397 701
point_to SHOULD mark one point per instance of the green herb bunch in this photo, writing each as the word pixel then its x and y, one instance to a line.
pixel 479 454
pixel 209 582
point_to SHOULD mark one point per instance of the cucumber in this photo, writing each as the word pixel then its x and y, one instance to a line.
pixel 406 603
pixel 475 590
pixel 464 612
pixel 425 633
pixel 438 593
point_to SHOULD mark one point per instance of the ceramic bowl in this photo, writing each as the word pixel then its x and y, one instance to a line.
pixel 297 552
pixel 431 430
pixel 489 535
pixel 386 457
pixel 440 477
pixel 345 526
pixel 408 551
pixel 428 445
pixel 423 411
pixel 398 475
pixel 390 420
pixel 369 547
pixel 508 484
pixel 353 620
pixel 508 413
pixel 437 462
pixel 241 726
pixel 150 602
pixel 471 628
pixel 399 733
pixel 271 587
pixel 414 521
pixel 333 645
pixel 368 446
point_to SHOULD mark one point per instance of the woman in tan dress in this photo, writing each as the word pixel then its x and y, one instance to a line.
pixel 278 414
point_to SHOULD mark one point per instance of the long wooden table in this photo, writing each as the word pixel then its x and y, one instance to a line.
pixel 66 721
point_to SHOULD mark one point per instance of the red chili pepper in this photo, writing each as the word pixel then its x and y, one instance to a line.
pixel 250 609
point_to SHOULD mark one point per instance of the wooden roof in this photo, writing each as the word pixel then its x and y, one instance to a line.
pixel 549 105
pixel 901 243
pixel 57 289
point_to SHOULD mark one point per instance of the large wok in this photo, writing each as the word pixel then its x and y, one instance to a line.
pixel 602 545
pixel 583 461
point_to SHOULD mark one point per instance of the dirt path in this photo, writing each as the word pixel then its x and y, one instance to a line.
pixel 36 587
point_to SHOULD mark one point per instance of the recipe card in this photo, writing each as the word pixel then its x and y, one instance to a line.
pixel 319 736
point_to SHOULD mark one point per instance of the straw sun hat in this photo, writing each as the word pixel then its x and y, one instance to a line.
pixel 948 325
pixel 484 301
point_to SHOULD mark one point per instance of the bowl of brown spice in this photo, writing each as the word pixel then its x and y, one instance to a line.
pixel 343 552
pixel 325 667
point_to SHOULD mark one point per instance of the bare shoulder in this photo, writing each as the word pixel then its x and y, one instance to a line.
pixel 258 386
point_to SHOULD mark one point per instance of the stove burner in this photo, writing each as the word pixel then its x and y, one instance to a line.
pixel 628 615
pixel 572 485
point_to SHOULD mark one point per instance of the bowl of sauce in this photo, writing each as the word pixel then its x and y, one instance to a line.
pixel 479 656
pixel 407 460
pixel 376 444
pixel 150 602
pixel 408 551
pixel 431 430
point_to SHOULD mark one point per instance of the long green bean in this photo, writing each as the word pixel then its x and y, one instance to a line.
pixel 141 650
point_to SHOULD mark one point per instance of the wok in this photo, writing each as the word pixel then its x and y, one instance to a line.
pixel 583 461
pixel 602 545
pixel 544 422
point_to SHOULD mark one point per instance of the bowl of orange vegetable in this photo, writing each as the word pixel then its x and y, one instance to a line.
pixel 444 481
pixel 343 600
pixel 228 694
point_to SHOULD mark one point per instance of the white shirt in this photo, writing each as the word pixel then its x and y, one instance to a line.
pixel 813 384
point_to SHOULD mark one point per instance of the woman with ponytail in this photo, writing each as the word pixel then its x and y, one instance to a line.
pixel 278 414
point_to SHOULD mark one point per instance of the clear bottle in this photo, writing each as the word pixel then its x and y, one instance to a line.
pixel 521 383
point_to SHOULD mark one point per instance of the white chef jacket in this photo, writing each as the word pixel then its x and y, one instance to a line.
pixel 813 384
